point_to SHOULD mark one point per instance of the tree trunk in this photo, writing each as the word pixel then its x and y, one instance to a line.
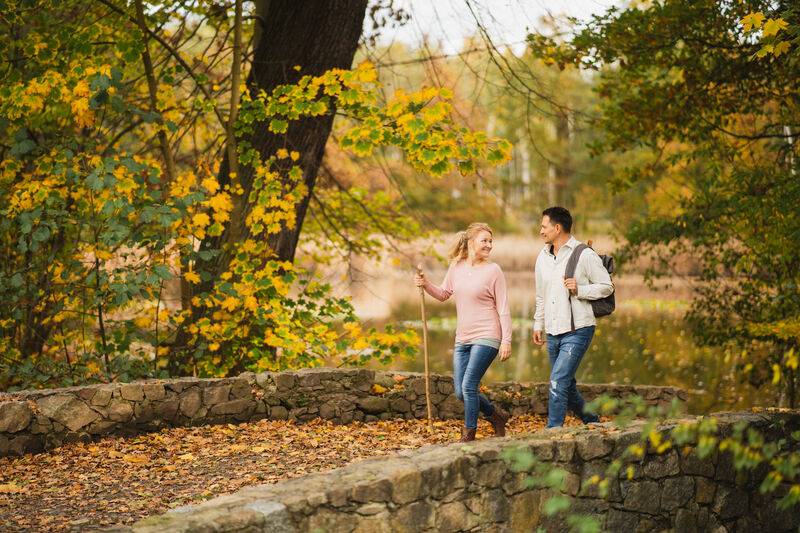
pixel 316 35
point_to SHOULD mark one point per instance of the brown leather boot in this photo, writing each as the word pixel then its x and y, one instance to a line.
pixel 498 418
pixel 467 435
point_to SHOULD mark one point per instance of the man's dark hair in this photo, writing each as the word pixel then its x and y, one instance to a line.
pixel 559 215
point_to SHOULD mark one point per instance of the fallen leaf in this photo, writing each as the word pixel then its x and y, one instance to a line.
pixel 11 488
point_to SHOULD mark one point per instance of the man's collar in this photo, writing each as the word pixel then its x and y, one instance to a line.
pixel 571 244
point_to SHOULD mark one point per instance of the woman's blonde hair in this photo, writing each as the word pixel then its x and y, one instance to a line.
pixel 461 248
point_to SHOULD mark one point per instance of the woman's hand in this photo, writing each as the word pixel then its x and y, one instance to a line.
pixel 419 278
pixel 505 351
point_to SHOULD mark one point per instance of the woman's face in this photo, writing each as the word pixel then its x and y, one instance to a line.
pixel 482 245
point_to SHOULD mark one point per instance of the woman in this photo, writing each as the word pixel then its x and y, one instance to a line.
pixel 483 326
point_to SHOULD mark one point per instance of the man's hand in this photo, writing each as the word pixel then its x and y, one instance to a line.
pixel 505 351
pixel 572 285
pixel 538 338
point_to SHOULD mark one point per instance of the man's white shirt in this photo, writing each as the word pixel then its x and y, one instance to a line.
pixel 552 297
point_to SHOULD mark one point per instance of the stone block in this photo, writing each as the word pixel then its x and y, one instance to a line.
pixel 370 509
pixel 412 518
pixel 730 502
pixel 490 474
pixel 154 391
pixel 618 520
pixel 454 516
pixel 331 521
pixel 704 490
pixel 102 396
pixel 101 427
pixel 372 491
pixel 240 388
pixel 308 380
pixel 14 416
pixel 445 387
pixel 400 405
pixel 677 492
pixel 22 444
pixel 564 450
pixel 406 484
pixel 166 409
pixel 285 381
pixel 377 523
pixel 643 496
pixel 132 392
pixel 695 466
pixel 659 466
pixel 373 404
pixel 67 410
pixel 190 402
pixel 243 406
pixel 119 410
pixel 594 446
pixel 215 394
pixel 265 381
pixel 327 410
pixel 525 510
pixel 143 412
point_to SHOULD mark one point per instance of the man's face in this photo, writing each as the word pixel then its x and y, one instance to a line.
pixel 549 231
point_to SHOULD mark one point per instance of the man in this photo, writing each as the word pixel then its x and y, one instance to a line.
pixel 564 312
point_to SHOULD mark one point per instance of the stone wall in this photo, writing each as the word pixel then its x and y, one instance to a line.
pixel 32 421
pixel 468 487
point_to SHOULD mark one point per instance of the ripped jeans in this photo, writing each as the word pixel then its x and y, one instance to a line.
pixel 566 351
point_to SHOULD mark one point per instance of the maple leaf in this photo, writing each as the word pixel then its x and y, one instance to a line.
pixel 378 389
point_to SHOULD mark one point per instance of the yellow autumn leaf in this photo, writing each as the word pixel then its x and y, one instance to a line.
pixel 230 303
pixel 752 21
pixel 186 457
pixel 201 220
pixel 191 277
pixel 378 389
pixel 131 458
pixel 11 488
pixel 773 26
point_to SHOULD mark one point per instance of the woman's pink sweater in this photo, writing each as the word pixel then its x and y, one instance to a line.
pixel 481 300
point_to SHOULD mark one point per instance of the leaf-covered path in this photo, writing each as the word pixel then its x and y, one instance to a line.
pixel 118 480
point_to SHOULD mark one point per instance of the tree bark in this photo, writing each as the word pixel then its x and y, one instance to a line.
pixel 316 35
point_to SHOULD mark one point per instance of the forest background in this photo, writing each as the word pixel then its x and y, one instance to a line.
pixel 156 221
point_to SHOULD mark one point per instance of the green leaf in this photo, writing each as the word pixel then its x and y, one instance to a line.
pixel 278 126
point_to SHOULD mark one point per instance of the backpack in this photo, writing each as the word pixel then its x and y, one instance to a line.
pixel 603 306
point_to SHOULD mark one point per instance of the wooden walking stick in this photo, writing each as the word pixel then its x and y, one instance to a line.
pixel 425 352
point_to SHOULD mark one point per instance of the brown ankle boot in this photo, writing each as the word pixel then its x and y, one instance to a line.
pixel 498 418
pixel 467 435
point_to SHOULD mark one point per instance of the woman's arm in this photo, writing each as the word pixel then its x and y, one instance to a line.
pixel 440 293
pixel 501 301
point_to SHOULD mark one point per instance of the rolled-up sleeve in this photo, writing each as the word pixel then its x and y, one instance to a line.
pixel 599 285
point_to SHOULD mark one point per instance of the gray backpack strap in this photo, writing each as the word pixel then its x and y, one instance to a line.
pixel 569 272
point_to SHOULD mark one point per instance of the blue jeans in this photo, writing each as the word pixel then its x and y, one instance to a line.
pixel 470 362
pixel 566 351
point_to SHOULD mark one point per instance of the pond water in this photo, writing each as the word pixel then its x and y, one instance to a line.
pixel 644 342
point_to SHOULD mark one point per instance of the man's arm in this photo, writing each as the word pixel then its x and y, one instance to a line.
pixel 538 315
pixel 599 285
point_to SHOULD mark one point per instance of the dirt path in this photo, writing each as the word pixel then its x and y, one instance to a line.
pixel 119 480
